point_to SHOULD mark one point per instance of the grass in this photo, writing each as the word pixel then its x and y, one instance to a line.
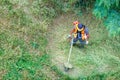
pixel 99 60
pixel 27 67
pixel 18 62
pixel 23 53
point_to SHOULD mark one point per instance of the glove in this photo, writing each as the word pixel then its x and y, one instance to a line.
pixel 86 42
pixel 85 36
pixel 69 36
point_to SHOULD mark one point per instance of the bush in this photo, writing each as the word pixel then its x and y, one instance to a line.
pixel 112 23
pixel 104 10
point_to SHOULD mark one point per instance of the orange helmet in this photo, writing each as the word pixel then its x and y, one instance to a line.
pixel 75 22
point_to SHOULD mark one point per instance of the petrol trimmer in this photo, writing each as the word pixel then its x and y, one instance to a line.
pixel 67 65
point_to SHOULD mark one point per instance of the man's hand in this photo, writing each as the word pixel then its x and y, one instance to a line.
pixel 85 36
pixel 87 42
pixel 69 36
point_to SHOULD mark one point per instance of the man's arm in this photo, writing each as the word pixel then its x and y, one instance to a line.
pixel 87 32
pixel 87 35
pixel 72 31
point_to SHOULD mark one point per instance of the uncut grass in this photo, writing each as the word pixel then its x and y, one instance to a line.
pixel 22 55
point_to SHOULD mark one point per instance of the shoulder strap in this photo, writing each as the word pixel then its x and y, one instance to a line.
pixel 78 28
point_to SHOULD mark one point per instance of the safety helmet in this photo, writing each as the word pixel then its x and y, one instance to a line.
pixel 80 27
pixel 75 22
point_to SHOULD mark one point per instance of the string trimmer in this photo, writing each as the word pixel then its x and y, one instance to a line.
pixel 68 65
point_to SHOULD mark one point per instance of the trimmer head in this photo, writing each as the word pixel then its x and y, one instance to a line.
pixel 67 66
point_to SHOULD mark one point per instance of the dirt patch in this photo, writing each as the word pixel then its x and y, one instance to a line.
pixel 94 58
pixel 57 34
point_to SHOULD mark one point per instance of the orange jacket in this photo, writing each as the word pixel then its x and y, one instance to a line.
pixel 75 29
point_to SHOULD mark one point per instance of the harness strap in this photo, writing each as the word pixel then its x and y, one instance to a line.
pixel 80 30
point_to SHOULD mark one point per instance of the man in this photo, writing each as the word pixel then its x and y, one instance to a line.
pixel 80 32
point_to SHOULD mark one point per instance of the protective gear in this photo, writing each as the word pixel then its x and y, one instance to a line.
pixel 86 42
pixel 80 32
pixel 75 22
pixel 80 26
pixel 75 35
pixel 69 36
pixel 79 29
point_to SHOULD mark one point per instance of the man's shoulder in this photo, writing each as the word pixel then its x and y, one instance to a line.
pixel 86 30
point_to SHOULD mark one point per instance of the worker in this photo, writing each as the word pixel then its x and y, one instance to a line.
pixel 79 32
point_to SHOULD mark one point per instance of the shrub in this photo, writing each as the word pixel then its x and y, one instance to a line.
pixel 104 10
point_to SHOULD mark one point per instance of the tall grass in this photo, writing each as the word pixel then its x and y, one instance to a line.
pixel 22 43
